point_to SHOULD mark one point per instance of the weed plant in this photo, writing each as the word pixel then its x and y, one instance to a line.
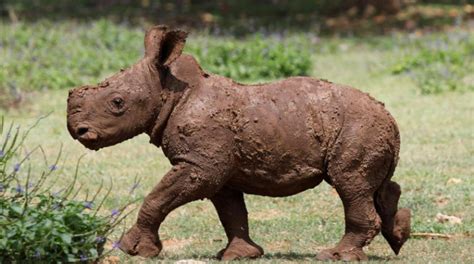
pixel 39 225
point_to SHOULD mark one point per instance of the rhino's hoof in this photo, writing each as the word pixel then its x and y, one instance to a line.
pixel 352 254
pixel 401 229
pixel 140 242
pixel 240 249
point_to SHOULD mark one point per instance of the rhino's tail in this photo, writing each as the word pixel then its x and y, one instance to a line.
pixel 395 222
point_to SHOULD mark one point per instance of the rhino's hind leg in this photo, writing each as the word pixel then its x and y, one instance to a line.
pixel 230 206
pixel 182 184
pixel 356 181
pixel 362 225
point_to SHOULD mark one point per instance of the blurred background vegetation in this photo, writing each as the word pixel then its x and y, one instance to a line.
pixel 245 40
pixel 239 17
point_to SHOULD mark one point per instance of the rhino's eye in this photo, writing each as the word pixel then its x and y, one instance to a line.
pixel 117 105
pixel 118 102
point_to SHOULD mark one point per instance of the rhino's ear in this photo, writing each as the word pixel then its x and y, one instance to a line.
pixel 163 45
pixel 172 46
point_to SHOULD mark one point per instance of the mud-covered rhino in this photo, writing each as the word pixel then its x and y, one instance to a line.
pixel 225 139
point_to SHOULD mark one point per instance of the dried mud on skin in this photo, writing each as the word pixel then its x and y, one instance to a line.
pixel 225 139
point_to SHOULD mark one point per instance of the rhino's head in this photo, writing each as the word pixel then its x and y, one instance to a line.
pixel 127 103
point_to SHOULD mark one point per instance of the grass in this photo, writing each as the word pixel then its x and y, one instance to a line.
pixel 437 147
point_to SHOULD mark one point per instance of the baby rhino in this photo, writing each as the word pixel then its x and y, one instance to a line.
pixel 225 139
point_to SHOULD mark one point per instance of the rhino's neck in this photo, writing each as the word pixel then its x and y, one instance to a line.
pixel 184 73
pixel 169 99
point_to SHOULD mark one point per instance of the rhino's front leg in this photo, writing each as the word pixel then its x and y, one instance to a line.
pixel 182 184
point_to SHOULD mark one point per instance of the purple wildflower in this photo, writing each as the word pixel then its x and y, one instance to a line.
pixel 16 168
pixel 88 205
pixel 83 257
pixel 2 153
pixel 37 254
pixel 100 239
pixel 19 189
pixel 115 212
pixel 115 245
pixel 53 167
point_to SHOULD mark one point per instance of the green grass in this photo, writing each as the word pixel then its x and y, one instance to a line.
pixel 437 146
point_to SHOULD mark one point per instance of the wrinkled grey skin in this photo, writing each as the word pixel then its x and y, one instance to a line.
pixel 225 139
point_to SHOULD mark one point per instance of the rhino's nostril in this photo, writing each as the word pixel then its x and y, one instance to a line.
pixel 82 130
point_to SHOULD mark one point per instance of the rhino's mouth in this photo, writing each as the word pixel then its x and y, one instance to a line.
pixel 95 141
pixel 91 146
pixel 90 140
pixel 85 135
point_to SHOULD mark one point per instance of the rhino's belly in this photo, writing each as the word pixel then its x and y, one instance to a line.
pixel 276 182
pixel 272 165
pixel 280 148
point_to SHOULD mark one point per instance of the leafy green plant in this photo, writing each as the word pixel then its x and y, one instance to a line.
pixel 441 64
pixel 37 224
pixel 253 58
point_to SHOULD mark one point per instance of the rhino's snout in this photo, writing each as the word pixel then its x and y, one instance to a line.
pixel 87 136
pixel 82 130
pixel 84 133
